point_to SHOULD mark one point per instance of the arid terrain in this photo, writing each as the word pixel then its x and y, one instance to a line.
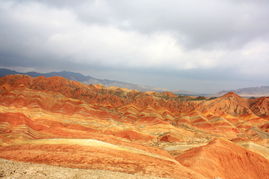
pixel 22 170
pixel 65 123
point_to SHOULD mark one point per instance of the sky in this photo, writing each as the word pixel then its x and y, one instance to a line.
pixel 197 45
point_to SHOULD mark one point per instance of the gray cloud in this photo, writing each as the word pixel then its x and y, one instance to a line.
pixel 194 40
pixel 200 22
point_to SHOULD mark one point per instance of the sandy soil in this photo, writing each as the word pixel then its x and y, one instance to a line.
pixel 14 169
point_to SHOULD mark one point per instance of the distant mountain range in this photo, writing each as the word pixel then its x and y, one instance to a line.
pixel 249 92
pixel 82 78
pixel 92 80
pixel 246 92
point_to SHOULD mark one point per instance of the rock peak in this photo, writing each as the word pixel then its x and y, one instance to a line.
pixel 231 94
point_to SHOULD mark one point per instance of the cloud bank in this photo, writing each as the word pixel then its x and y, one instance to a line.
pixel 152 35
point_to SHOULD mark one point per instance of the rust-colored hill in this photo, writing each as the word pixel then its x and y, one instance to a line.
pixel 223 159
pixel 61 122
pixel 228 104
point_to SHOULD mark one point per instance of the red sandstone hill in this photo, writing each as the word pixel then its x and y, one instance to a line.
pixel 230 104
pixel 224 159
pixel 61 122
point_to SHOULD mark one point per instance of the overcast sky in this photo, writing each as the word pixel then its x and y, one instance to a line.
pixel 196 45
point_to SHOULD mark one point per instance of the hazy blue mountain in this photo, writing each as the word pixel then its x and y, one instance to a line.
pixel 249 92
pixel 4 72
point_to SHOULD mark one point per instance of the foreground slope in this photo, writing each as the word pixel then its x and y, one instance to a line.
pixel 223 159
pixel 61 122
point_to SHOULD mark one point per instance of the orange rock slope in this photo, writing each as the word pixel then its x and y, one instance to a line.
pixel 223 159
pixel 61 122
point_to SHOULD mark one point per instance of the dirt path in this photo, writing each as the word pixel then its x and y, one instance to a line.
pixel 21 170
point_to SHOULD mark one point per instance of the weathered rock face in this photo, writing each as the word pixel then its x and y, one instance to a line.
pixel 261 106
pixel 62 122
